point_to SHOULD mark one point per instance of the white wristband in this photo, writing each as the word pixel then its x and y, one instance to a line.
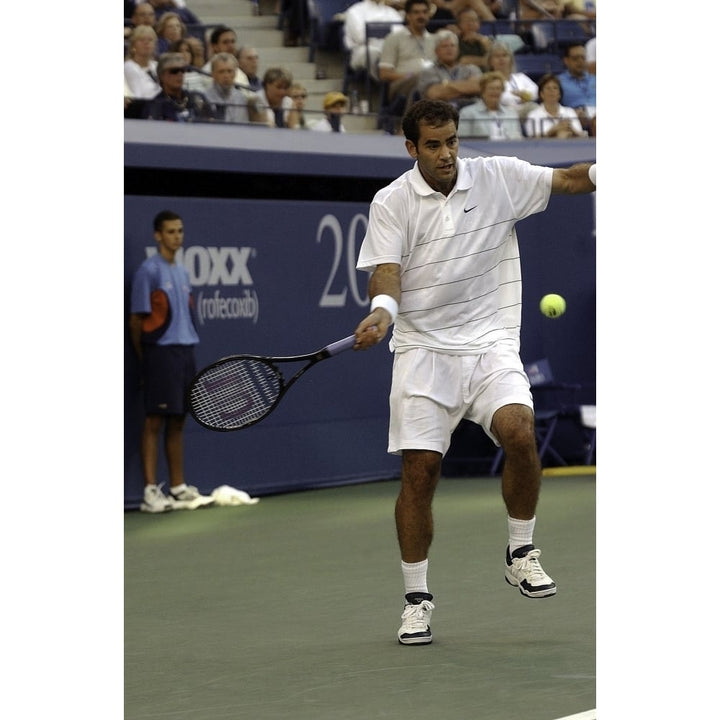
pixel 592 174
pixel 386 302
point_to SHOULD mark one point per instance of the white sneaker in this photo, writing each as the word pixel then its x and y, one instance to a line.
pixel 189 498
pixel 155 501
pixel 523 571
pixel 415 628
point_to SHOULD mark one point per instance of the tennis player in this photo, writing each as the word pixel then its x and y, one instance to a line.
pixel 443 255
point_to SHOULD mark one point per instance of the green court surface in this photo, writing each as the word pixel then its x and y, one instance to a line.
pixel 289 609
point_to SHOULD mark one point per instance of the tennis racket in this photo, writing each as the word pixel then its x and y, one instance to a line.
pixel 238 391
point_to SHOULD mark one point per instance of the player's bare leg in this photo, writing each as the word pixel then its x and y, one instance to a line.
pixel 514 427
pixel 414 523
pixel 413 509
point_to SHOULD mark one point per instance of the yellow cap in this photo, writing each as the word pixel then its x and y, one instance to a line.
pixel 332 98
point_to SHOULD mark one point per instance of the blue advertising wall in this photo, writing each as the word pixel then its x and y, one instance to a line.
pixel 276 276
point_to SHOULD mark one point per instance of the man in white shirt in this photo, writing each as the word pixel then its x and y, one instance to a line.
pixel 443 256
pixel 354 33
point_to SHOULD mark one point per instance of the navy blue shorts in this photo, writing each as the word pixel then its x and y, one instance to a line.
pixel 167 372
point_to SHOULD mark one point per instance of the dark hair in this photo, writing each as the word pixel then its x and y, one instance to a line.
pixel 431 112
pixel 177 45
pixel 545 79
pixel 568 48
pixel 410 3
pixel 218 31
pixel 164 216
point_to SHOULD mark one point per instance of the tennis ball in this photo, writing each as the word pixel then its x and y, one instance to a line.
pixel 552 305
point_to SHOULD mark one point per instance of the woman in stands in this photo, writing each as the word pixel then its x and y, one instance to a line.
pixel 170 28
pixel 141 65
pixel 521 91
pixel 552 119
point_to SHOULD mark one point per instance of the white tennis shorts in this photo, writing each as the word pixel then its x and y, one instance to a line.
pixel 432 392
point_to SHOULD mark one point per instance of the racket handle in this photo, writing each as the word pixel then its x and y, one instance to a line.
pixel 340 345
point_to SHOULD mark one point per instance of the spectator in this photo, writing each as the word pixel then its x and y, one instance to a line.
pixel 405 54
pixel 273 105
pixel 298 95
pixel 295 20
pixel 488 118
pixel 335 106
pixel 224 39
pixel 578 85
pixel 163 334
pixel 521 90
pixel 579 10
pixel 248 60
pixel 551 119
pixel 447 79
pixel 193 80
pixel 173 103
pixel 473 48
pixel 140 65
pixel 354 32
pixel 453 7
pixel 197 47
pixel 186 15
pixel 541 9
pixel 590 55
pixel 142 14
pixel 169 29
pixel 231 103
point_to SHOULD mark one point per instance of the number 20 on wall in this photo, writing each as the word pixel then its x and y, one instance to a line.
pixel 342 248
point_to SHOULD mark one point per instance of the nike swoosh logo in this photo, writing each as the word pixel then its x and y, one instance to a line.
pixel 467 210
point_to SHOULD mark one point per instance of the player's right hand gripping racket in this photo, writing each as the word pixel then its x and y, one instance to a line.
pixel 238 391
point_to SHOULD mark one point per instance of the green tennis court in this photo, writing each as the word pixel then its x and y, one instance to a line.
pixel 290 608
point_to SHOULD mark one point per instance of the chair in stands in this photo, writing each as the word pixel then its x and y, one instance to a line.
pixel 361 75
pixel 552 401
pixel 588 423
pixel 535 65
pixel 325 25
pixel 554 35
pixel 570 32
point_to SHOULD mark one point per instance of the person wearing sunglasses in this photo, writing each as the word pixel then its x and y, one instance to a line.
pixel 173 102
pixel 298 95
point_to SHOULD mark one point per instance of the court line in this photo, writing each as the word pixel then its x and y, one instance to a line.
pixel 569 470
pixel 587 715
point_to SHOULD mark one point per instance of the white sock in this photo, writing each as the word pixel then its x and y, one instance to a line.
pixel 520 532
pixel 415 576
pixel 178 488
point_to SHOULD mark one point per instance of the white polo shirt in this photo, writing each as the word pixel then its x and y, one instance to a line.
pixel 458 255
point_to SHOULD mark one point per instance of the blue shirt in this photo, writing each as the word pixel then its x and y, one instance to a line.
pixel 162 292
pixel 577 92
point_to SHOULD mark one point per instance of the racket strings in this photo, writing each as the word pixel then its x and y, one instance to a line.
pixel 235 393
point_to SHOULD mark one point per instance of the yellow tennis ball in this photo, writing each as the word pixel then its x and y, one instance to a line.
pixel 552 305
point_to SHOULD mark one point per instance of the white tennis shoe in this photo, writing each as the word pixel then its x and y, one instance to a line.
pixel 523 571
pixel 155 500
pixel 415 628
pixel 188 498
